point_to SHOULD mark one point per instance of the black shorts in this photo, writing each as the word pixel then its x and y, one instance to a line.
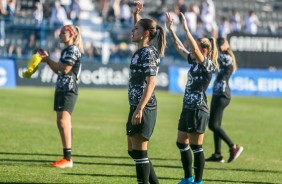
pixel 146 128
pixel 193 120
pixel 64 101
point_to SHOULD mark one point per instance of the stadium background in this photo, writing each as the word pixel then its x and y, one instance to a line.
pixel 106 26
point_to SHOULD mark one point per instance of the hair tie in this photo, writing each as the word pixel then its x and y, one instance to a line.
pixel 70 30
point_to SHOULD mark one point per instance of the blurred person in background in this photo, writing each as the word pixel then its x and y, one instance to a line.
pixel 143 104
pixel 251 23
pixel 68 70
pixel 236 21
pixel 220 100
pixel 195 113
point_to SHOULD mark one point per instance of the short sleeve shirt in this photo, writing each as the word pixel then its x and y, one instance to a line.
pixel 145 62
pixel 67 82
pixel 221 83
pixel 199 77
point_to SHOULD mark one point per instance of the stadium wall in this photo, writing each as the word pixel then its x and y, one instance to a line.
pixel 245 82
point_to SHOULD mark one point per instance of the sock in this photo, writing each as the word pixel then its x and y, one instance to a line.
pixel 153 179
pixel 130 153
pixel 199 162
pixel 67 153
pixel 142 166
pixel 186 159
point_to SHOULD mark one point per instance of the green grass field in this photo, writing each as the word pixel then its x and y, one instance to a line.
pixel 30 139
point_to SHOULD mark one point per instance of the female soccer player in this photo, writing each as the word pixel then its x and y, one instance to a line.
pixel 68 70
pixel 220 100
pixel 195 114
pixel 143 104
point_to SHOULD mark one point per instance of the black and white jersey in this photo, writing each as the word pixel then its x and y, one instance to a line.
pixel 221 83
pixel 67 82
pixel 199 77
pixel 145 62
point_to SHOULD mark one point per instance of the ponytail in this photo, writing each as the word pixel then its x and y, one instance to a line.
pixel 234 62
pixel 213 54
pixel 78 40
pixel 161 39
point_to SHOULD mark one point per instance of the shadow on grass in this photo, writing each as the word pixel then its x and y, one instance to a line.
pixel 163 178
pixel 81 156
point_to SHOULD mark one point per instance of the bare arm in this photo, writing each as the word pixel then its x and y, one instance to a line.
pixel 139 7
pixel 55 66
pixel 148 91
pixel 192 42
pixel 176 42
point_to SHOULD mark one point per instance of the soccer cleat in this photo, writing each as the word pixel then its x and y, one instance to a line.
pixel 215 158
pixel 63 163
pixel 235 152
pixel 186 180
pixel 198 182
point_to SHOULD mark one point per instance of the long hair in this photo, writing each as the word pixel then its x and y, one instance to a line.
pixel 155 32
pixel 220 42
pixel 210 44
pixel 77 37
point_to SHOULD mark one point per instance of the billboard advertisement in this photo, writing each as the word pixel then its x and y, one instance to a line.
pixel 245 82
pixel 92 75
pixel 7 73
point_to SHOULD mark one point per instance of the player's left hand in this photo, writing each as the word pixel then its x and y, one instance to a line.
pixel 137 117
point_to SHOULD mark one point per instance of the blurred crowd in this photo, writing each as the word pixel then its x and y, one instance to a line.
pixel 202 19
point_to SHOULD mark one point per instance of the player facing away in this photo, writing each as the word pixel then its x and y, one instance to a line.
pixel 66 92
pixel 195 113
pixel 143 104
pixel 220 100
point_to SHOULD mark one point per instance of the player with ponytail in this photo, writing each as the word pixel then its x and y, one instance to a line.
pixel 66 92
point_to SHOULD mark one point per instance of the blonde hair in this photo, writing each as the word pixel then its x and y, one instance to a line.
pixel 77 37
pixel 210 44
pixel 155 31
pixel 220 42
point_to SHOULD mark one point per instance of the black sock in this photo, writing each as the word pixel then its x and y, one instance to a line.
pixel 199 162
pixel 153 179
pixel 142 166
pixel 131 154
pixel 67 153
pixel 186 159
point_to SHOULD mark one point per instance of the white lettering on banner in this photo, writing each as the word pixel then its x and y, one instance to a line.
pixel 104 76
pixel 47 75
pixel 107 76
pixel 3 76
pixel 260 85
pixel 162 79
pixel 256 44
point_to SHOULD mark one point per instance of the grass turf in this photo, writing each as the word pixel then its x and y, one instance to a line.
pixel 30 139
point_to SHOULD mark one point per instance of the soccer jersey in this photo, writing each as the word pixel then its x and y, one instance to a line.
pixel 199 77
pixel 221 83
pixel 67 82
pixel 145 62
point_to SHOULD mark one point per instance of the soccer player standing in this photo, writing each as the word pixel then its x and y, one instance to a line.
pixel 143 104
pixel 195 113
pixel 68 70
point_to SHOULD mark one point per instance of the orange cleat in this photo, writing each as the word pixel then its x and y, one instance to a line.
pixel 62 163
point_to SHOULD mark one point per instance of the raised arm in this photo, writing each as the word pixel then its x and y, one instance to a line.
pixel 192 42
pixel 139 7
pixel 176 42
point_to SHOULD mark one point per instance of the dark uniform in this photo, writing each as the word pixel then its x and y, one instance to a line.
pixel 195 112
pixel 221 91
pixel 66 87
pixel 145 62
